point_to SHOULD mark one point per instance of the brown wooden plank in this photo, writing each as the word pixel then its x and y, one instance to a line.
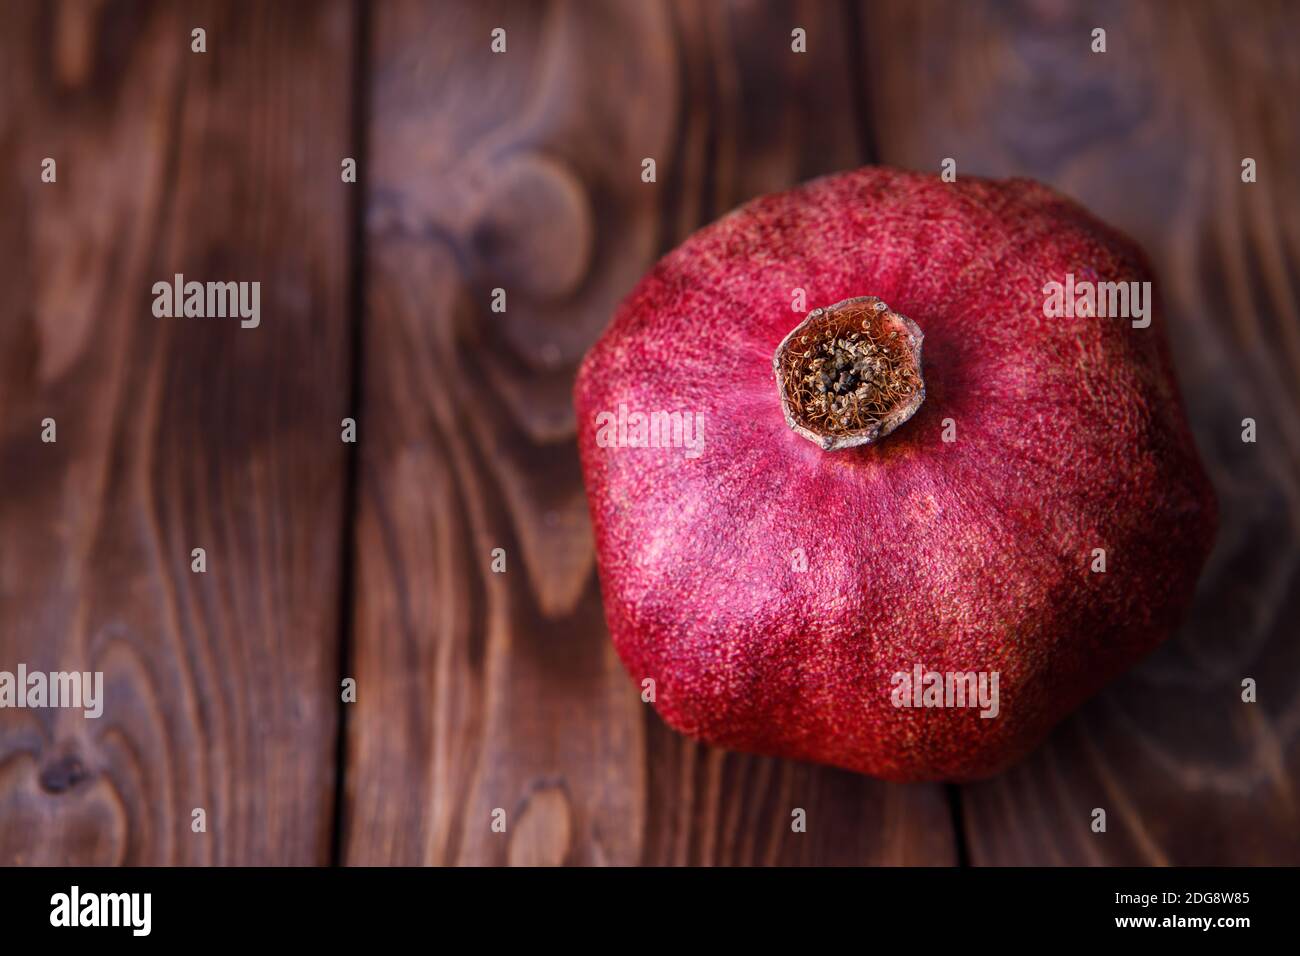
pixel 521 170
pixel 758 118
pixel 221 689
pixel 1151 135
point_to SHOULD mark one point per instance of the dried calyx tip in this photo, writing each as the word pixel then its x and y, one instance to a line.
pixel 850 374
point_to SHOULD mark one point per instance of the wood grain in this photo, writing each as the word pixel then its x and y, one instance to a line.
pixel 1150 135
pixel 478 690
pixel 221 688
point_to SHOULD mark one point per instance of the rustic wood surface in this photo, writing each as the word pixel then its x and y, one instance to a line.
pixel 173 434
pixel 1151 136
pixel 476 690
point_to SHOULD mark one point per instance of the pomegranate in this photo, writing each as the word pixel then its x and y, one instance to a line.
pixel 867 491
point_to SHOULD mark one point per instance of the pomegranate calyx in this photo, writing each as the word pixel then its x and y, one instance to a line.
pixel 850 373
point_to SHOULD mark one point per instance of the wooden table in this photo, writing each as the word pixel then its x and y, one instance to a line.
pixel 371 560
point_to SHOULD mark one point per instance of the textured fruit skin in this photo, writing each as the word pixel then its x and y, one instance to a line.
pixel 972 555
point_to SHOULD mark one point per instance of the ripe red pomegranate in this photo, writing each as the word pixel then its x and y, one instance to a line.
pixel 951 515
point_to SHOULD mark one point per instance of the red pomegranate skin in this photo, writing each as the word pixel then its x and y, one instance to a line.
pixel 974 555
